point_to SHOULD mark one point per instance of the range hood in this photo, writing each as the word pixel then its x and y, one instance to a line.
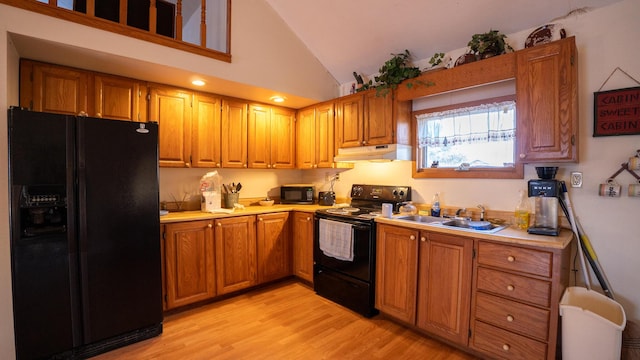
pixel 381 153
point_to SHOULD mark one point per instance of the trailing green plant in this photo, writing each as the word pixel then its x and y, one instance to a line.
pixel 489 44
pixel 436 59
pixel 394 71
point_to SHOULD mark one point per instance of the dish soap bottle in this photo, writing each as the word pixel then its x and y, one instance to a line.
pixel 522 212
pixel 435 205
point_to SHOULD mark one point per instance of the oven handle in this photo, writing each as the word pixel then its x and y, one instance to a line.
pixel 357 227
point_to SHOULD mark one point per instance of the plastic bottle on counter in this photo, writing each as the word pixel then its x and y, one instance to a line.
pixel 435 205
pixel 523 209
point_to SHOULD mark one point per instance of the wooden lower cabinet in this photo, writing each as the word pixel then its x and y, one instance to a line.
pixel 188 263
pixel 397 271
pixel 235 243
pixel 274 246
pixel 302 239
pixel 515 300
pixel 444 285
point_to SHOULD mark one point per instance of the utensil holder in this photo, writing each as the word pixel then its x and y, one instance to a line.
pixel 230 199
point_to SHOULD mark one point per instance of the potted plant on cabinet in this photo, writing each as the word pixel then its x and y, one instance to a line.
pixel 489 44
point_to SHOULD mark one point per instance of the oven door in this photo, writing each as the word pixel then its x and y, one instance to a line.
pixel 362 265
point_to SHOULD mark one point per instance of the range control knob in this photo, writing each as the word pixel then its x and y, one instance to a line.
pixel 356 191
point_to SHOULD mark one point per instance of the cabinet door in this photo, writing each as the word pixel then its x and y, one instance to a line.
pixel 325 136
pixel 205 136
pixel 306 139
pixel 189 267
pixel 546 100
pixel 378 118
pixel 234 134
pixel 350 121
pixel 171 108
pixel 396 272
pixel 259 140
pixel 274 246
pixel 54 89
pixel 444 285
pixel 282 138
pixel 303 245
pixel 235 240
pixel 119 98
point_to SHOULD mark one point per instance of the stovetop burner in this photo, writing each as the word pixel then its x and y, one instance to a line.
pixel 367 200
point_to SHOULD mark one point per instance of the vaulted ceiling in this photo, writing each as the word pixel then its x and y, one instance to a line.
pixel 360 35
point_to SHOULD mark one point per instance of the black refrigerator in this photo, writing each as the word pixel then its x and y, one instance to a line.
pixel 85 234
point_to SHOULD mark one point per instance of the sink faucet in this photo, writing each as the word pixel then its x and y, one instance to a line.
pixel 459 211
pixel 482 209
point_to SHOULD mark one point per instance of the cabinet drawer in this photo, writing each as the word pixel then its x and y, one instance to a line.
pixel 528 261
pixel 514 286
pixel 513 316
pixel 506 345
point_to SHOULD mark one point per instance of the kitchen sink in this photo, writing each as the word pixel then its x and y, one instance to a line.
pixel 465 224
pixel 455 223
pixel 420 218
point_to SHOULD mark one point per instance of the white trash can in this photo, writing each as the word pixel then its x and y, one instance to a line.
pixel 592 325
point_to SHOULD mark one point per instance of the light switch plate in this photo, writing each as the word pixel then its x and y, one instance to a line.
pixel 576 179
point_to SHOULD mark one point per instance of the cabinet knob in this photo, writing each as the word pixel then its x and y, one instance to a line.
pixel 423 239
pixel 219 224
pixel 274 166
pixel 244 165
pixel 209 225
pixel 364 142
pixel 522 156
pixel 187 164
pixel 509 318
pixel 260 219
pixel 218 165
pixel 315 165
pixel 511 258
pixel 506 347
pixel 308 218
pixel 510 287
pixel 268 166
pixel 412 237
pixel 99 115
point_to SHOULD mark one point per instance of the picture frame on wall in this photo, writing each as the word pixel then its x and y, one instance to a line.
pixel 616 112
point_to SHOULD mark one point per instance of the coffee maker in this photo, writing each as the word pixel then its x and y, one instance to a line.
pixel 546 190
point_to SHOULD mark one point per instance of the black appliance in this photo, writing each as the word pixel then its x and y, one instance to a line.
pixel 85 234
pixel 297 194
pixel 350 281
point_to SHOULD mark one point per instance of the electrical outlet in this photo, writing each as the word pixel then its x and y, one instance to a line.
pixel 576 179
pixel 337 176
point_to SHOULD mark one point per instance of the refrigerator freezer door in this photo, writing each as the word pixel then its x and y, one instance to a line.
pixel 119 227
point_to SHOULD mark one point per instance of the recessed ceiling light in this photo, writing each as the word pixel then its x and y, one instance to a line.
pixel 198 82
pixel 278 98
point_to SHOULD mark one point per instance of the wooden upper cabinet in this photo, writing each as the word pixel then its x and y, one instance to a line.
pixel 315 139
pixel 444 285
pixel 367 118
pixel 271 137
pixel 189 262
pixel 54 89
pixel 547 102
pixel 234 133
pixel 206 131
pixel 274 246
pixel 350 121
pixel 119 98
pixel 171 108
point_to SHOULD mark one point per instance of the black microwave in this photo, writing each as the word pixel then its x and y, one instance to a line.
pixel 297 194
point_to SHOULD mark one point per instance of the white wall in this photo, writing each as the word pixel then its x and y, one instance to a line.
pixel 606 38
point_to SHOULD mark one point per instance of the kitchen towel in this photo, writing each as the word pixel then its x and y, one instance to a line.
pixel 336 239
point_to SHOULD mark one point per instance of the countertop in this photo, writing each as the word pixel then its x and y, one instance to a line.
pixel 507 235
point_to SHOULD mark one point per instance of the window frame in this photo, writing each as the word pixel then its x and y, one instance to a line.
pixel 515 172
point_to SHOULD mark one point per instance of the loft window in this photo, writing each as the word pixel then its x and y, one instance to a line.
pixel 467 138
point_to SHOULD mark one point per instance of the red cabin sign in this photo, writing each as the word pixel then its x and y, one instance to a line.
pixel 616 112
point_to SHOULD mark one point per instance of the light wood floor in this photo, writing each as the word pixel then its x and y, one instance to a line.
pixel 283 321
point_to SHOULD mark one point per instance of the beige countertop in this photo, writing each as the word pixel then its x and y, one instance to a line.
pixel 509 234
pixel 248 210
